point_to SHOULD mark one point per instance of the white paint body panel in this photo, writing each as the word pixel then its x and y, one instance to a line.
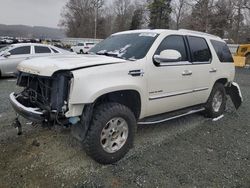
pixel 94 76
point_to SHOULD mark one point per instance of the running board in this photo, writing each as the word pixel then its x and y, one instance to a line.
pixel 156 120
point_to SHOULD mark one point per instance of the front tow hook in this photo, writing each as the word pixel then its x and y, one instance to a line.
pixel 18 126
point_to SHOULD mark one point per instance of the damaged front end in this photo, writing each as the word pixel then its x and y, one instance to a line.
pixel 44 99
pixel 233 90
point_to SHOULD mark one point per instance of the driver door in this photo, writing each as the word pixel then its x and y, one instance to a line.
pixel 17 55
pixel 170 85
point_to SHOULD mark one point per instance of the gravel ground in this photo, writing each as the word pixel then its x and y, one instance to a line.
pixel 188 152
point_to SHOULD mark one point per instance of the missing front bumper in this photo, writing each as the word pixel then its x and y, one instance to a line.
pixel 32 114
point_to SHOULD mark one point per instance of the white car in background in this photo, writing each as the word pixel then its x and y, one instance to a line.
pixel 12 55
pixel 83 47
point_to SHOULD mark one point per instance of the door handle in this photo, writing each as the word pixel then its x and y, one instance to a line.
pixel 187 73
pixel 136 73
pixel 213 70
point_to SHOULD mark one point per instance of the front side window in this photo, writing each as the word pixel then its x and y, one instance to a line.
pixel 200 51
pixel 174 42
pixel 42 50
pixel 132 46
pixel 20 50
pixel 222 51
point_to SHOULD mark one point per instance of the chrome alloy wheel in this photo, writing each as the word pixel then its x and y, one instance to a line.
pixel 217 101
pixel 114 135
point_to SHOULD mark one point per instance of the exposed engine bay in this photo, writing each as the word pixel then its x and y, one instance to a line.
pixel 49 95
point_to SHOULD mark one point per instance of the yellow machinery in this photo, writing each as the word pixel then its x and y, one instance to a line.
pixel 242 56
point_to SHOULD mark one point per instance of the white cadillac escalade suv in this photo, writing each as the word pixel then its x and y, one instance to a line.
pixel 131 78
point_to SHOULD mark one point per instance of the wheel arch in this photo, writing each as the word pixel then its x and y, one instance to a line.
pixel 130 98
pixel 223 81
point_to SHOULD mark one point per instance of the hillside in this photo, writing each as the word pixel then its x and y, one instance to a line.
pixel 30 32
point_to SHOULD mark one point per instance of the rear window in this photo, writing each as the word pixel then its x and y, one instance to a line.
pixel 222 51
pixel 90 44
pixel 42 50
pixel 200 51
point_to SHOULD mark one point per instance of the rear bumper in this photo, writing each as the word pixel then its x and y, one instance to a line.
pixel 32 114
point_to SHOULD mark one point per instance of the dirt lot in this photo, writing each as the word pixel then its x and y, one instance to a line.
pixel 189 152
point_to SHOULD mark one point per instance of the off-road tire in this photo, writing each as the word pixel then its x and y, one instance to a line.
pixel 210 112
pixel 101 116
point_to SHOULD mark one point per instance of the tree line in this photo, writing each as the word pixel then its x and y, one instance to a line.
pixel 228 19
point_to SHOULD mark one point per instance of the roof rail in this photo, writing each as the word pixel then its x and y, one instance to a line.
pixel 198 33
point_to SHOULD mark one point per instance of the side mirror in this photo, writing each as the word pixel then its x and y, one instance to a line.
pixel 6 54
pixel 168 56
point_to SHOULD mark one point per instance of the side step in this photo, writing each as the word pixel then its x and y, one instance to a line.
pixel 170 115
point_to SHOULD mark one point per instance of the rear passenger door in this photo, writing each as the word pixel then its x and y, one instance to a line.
pixel 203 68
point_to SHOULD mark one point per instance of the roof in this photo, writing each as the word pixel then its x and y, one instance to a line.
pixel 180 31
pixel 29 44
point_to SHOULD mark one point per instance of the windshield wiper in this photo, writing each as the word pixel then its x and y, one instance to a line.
pixel 108 54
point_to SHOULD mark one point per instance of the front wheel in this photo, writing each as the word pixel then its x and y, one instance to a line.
pixel 111 133
pixel 216 103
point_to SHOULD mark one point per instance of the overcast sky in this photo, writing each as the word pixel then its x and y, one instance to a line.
pixel 31 12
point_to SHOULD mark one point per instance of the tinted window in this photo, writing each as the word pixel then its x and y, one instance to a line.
pixel 54 50
pixel 173 43
pixel 41 50
pixel 222 51
pixel 80 44
pixel 199 49
pixel 90 43
pixel 20 50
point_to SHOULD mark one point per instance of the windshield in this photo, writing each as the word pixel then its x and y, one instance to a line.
pixel 131 46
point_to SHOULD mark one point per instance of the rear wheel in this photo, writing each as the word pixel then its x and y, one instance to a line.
pixel 216 103
pixel 111 133
pixel 81 51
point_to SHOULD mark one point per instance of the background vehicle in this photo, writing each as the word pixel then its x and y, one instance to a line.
pixel 83 47
pixel 241 54
pixel 132 77
pixel 12 55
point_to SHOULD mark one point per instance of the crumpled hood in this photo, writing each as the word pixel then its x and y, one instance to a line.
pixel 46 66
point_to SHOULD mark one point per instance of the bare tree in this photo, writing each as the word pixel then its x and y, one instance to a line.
pixel 123 10
pixel 179 11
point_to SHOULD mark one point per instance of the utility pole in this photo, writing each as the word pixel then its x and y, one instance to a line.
pixel 96 17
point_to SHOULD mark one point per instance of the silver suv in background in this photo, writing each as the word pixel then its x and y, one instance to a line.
pixel 12 55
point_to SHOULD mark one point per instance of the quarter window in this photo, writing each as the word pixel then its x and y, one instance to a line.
pixel 222 51
pixel 54 50
pixel 200 52
pixel 42 50
pixel 174 42
pixel 20 50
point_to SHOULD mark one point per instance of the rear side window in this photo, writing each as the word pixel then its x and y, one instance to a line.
pixel 200 52
pixel 42 50
pixel 173 42
pixel 54 50
pixel 20 50
pixel 222 51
